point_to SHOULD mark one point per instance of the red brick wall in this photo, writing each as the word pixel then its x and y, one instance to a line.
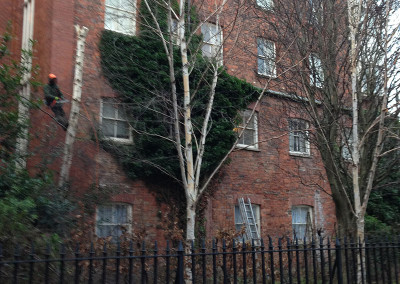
pixel 11 12
pixel 91 165
pixel 273 179
pixel 270 176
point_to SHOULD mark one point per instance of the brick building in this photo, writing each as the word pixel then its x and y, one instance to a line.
pixel 274 165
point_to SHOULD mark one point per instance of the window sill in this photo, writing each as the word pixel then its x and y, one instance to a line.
pixel 300 154
pixel 265 8
pixel 247 147
pixel 121 32
pixel 266 76
pixel 119 140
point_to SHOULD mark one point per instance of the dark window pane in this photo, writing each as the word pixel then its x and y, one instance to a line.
pixel 108 110
pixel 122 129
pixel 248 136
pixel 108 127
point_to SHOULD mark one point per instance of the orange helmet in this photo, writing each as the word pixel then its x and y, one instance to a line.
pixel 52 76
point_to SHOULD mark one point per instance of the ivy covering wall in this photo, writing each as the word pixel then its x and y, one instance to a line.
pixel 137 69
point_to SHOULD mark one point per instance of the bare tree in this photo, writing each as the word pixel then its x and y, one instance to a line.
pixel 344 75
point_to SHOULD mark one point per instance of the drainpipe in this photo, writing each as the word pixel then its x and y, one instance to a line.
pixel 25 93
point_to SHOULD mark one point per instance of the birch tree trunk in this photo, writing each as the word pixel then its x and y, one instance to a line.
pixel 25 93
pixel 354 10
pixel 75 106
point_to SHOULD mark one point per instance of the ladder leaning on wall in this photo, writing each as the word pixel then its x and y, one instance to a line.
pixel 246 210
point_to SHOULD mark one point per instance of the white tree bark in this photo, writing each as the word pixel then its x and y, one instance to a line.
pixel 25 93
pixel 75 106
pixel 354 10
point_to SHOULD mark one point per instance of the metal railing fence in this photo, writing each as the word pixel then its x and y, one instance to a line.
pixel 276 261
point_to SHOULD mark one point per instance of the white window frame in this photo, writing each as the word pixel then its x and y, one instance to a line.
pixel 212 43
pixel 265 4
pixel 347 144
pixel 315 12
pixel 299 135
pixel 316 71
pixel 308 222
pixel 127 226
pixel 266 56
pixel 115 119
pixel 253 128
pixel 122 11
pixel 174 29
pixel 239 224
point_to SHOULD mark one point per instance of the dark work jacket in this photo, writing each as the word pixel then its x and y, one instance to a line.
pixel 51 92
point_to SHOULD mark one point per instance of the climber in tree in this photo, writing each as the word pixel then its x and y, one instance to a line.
pixel 53 97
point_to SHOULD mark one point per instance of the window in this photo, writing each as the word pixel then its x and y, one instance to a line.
pixel 239 224
pixel 369 80
pixel 298 137
pixel 212 41
pixel 249 138
pixel 113 220
pixel 302 222
pixel 174 31
pixel 315 16
pixel 347 142
pixel 265 4
pixel 114 124
pixel 316 71
pixel 120 16
pixel 266 57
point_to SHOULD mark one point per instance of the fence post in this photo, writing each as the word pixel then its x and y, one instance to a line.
pixel 193 257
pixel 388 261
pixel 264 274
pixel 271 257
pixel 360 246
pixel 224 261
pixel 368 262
pixel 1 259
pixel 234 249
pixel 328 244
pixel 104 270
pixel 77 256
pixel 179 272
pixel 31 265
pixel 321 250
pixel 167 262
pixel 16 264
pixel 155 262
pixel 253 253
pixel 396 271
pixel 143 277
pixel 130 270
pixel 62 263
pixel 289 255
pixel 91 255
pixel 297 260
pixel 280 260
pixel 117 262
pixel 203 259
pixel 214 261
pixel 339 262
pixel 244 261
pixel 305 250
pixel 47 269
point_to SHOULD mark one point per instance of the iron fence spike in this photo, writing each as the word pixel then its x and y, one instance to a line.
pixel 180 246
